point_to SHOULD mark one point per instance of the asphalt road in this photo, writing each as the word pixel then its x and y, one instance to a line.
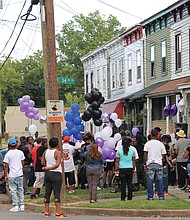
pixel 7 215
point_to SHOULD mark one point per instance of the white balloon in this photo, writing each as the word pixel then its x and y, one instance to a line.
pixel 98 134
pixel 109 130
pixel 114 116
pixel 117 137
pixel 32 129
pixel 118 123
pixel 105 134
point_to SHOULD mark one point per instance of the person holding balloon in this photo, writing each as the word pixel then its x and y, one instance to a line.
pixel 125 164
pixel 94 162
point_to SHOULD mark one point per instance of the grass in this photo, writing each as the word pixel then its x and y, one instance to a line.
pixel 81 199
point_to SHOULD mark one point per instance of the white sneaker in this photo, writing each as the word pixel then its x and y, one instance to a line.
pixel 71 191
pixel 22 208
pixel 98 188
pixel 14 209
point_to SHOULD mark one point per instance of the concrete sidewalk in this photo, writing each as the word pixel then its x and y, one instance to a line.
pixel 71 209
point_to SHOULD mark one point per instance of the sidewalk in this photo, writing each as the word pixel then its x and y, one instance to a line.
pixel 71 209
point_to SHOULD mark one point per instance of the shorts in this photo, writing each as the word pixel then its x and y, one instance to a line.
pixel 110 166
pixel 39 182
pixel 71 178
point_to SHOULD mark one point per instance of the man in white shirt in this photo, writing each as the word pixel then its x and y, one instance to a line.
pixel 154 152
pixel 14 162
pixel 69 166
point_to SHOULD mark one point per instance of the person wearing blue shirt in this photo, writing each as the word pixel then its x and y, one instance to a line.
pixel 125 161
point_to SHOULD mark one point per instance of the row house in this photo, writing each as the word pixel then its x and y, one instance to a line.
pixel 167 65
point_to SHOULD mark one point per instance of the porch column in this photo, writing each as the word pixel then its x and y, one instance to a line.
pixel 167 118
pixel 149 114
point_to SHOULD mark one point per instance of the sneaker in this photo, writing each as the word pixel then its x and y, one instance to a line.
pixel 156 192
pixel 33 196
pixel 98 188
pixel 183 188
pixel 165 193
pixel 22 208
pixel 71 191
pixel 161 198
pixel 14 209
pixel 149 198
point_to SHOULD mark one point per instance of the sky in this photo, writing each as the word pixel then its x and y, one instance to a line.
pixel 128 12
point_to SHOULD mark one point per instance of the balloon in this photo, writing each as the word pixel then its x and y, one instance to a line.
pixel 90 109
pixel 88 147
pixel 88 98
pixel 20 101
pixel 75 107
pixel 112 155
pixel 78 136
pixel 30 109
pixel 35 111
pixel 32 129
pixel 84 118
pixel 77 120
pixel 98 122
pixel 36 117
pixel 26 98
pixel 118 122
pixel 74 130
pixel 80 127
pixel 66 132
pixel 106 152
pixel 114 116
pixel 93 90
pixel 97 113
pixel 95 105
pixel 117 137
pixel 31 103
pixel 97 134
pixel 77 114
pixel 101 100
pixel 99 141
pixel 22 109
pixel 69 116
pixel 69 125
pixel 30 115
pixel 173 110
pixel 134 131
pixel 111 143
pixel 105 134
pixel 97 96
pixel 87 114
pixel 109 130
pixel 24 105
pixel 167 110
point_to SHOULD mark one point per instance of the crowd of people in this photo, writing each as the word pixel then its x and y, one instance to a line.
pixel 156 163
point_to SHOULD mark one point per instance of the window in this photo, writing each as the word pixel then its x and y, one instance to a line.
pixel 157 109
pixel 121 70
pixel 178 51
pixel 130 69
pixel 87 83
pixel 138 66
pixel 91 80
pixel 163 56
pixel 152 60
pixel 98 79
pixel 113 76
pixel 104 81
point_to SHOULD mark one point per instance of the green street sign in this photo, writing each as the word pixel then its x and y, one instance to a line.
pixel 65 80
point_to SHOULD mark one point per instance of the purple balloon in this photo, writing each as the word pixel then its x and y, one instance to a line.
pixel 20 100
pixel 167 110
pixel 35 111
pixel 24 105
pixel 31 103
pixel 36 117
pixel 100 141
pixel 134 131
pixel 106 152
pixel 112 155
pixel 173 110
pixel 30 115
pixel 22 109
pixel 26 98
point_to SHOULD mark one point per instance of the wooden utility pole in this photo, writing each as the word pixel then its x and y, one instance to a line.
pixel 50 66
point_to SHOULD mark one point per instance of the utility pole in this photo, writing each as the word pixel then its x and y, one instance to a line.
pixel 50 66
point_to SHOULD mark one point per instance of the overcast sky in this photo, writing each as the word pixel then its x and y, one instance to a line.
pixel 127 12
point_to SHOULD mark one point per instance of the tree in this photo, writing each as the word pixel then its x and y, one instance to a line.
pixel 78 37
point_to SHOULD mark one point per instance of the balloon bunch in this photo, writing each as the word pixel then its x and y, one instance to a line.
pixel 117 121
pixel 74 124
pixel 95 99
pixel 107 143
pixel 27 106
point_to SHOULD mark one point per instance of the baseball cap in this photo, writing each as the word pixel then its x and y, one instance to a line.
pixel 12 141
pixel 22 139
pixel 158 129
pixel 66 138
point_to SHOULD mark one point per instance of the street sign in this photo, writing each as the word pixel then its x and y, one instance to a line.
pixel 55 111
pixel 65 80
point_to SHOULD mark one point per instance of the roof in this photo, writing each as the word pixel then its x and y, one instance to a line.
pixel 143 92
pixel 171 86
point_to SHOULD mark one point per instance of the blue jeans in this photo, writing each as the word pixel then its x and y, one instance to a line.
pixel 16 190
pixel 155 173
pixel 188 169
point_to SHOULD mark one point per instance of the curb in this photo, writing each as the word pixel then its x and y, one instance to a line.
pixel 113 212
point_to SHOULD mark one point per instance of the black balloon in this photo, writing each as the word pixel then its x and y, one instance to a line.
pixel 85 118
pixel 98 122
pixel 87 114
pixel 97 113
pixel 93 90
pixel 90 109
pixel 102 99
pixel 95 105
pixel 97 96
pixel 88 97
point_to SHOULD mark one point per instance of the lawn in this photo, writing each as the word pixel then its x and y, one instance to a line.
pixel 80 199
